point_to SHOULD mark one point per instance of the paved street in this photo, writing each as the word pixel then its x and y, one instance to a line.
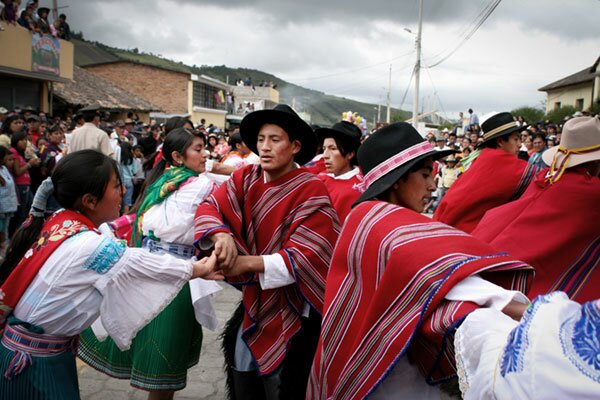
pixel 206 381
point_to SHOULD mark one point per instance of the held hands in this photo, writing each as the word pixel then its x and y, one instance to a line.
pixel 206 268
pixel 227 260
pixel 225 251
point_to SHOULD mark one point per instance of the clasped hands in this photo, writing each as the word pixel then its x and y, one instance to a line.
pixel 225 261
pixel 220 262
pixel 228 262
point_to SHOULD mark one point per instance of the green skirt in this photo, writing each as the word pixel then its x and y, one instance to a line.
pixel 160 354
pixel 47 378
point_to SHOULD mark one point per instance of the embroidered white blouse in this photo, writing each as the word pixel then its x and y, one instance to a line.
pixel 172 221
pixel 91 275
pixel 552 353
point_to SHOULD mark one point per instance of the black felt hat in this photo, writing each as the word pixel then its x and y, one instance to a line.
pixel 343 130
pixel 283 116
pixel 391 152
pixel 499 125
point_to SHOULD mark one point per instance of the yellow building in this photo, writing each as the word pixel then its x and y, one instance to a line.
pixel 207 100
pixel 580 90
pixel 29 65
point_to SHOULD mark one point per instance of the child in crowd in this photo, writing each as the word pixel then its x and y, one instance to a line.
pixel 448 175
pixel 8 196
pixel 221 148
pixel 138 178
pixel 20 170
pixel 51 152
pixel 127 169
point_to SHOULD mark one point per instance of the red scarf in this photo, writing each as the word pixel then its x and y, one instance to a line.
pixel 390 272
pixel 56 230
pixel 495 178
pixel 556 229
pixel 291 216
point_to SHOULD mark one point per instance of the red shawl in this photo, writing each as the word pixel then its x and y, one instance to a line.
pixel 343 193
pixel 56 230
pixel 291 216
pixel 495 178
pixel 556 229
pixel 390 272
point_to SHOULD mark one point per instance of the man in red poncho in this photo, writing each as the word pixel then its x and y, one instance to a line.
pixel 273 229
pixel 555 225
pixel 342 176
pixel 496 177
pixel 399 283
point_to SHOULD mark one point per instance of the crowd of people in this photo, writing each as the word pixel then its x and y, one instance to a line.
pixel 114 233
pixel 34 18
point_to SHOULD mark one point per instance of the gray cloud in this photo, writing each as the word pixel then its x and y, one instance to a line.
pixel 345 47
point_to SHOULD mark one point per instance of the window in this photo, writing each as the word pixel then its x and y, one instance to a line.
pixel 17 92
pixel 206 96
pixel 557 105
pixel 579 104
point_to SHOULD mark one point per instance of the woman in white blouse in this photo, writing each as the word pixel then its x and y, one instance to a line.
pixel 164 350
pixel 66 274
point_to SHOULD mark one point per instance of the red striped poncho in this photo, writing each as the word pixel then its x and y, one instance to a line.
pixel 495 178
pixel 390 272
pixel 291 216
pixel 556 229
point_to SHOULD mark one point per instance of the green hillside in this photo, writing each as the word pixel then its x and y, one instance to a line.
pixel 324 109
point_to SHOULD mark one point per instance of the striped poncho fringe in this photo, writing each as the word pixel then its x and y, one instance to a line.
pixel 291 216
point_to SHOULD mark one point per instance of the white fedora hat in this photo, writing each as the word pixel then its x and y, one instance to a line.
pixel 579 143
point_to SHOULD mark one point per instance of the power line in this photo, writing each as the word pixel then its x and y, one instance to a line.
pixel 483 17
pixel 407 87
pixel 352 70
pixel 361 83
pixel 435 93
pixel 466 27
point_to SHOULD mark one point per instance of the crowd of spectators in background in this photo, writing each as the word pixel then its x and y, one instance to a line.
pixel 31 144
pixel 34 18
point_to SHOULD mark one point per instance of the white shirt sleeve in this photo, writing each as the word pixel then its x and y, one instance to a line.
pixel 276 273
pixel 90 276
pixel 142 285
pixel 484 293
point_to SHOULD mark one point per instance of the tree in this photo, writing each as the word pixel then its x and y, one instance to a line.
pixel 530 114
pixel 595 108
pixel 398 116
pixel 558 116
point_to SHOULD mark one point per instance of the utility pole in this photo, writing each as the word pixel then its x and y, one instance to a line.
pixel 387 118
pixel 378 111
pixel 55 9
pixel 417 69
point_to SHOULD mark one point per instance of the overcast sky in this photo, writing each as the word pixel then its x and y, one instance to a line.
pixel 346 47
